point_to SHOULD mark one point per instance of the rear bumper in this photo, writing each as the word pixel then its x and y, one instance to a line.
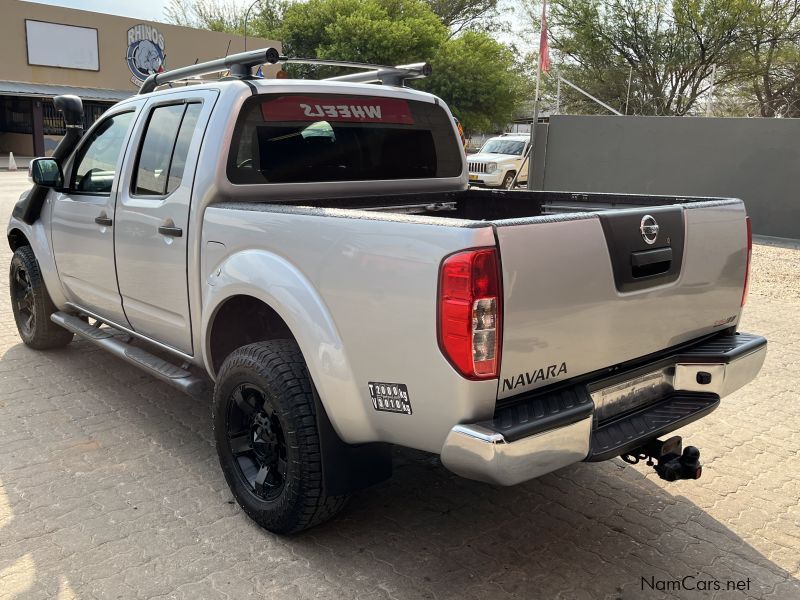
pixel 539 434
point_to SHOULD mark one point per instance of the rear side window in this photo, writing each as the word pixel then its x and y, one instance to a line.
pixel 297 138
pixel 162 154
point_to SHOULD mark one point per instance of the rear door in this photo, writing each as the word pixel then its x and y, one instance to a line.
pixel 582 293
pixel 152 217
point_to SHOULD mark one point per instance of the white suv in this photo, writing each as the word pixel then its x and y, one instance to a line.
pixel 499 160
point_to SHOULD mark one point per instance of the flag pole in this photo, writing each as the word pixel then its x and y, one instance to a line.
pixel 535 120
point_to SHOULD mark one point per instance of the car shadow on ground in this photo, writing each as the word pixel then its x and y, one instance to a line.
pixel 111 484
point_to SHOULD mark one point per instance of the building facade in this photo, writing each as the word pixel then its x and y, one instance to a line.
pixel 50 50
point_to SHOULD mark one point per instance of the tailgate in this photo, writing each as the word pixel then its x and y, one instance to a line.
pixel 588 291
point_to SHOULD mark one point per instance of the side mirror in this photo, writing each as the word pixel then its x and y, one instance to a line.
pixel 46 172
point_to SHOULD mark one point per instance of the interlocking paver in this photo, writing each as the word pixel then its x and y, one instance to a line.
pixel 109 488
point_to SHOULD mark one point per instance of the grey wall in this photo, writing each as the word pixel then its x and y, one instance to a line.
pixel 757 160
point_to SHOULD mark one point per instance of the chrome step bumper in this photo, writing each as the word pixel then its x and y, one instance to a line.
pixel 540 434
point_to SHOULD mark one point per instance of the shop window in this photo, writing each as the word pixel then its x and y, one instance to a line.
pixel 15 115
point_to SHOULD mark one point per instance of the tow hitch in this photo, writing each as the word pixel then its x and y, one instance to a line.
pixel 672 462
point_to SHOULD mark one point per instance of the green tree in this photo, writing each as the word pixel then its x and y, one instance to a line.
pixel 227 15
pixel 371 31
pixel 477 77
pixel 770 58
pixel 459 15
pixel 473 73
pixel 669 46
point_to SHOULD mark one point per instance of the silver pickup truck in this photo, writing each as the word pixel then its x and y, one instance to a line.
pixel 314 249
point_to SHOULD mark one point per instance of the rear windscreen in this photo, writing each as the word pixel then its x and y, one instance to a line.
pixel 296 138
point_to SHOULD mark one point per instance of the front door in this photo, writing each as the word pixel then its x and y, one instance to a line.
pixel 152 218
pixel 83 217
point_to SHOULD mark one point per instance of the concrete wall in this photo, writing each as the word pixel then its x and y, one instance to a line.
pixel 757 160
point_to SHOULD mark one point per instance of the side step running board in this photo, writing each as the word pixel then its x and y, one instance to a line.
pixel 165 371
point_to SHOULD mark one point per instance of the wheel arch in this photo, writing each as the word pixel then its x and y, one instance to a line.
pixel 241 320
pixel 256 293
pixel 17 239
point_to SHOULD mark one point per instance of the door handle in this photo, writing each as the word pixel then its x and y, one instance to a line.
pixel 103 220
pixel 171 231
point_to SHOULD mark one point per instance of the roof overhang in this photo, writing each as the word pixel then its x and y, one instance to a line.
pixel 42 90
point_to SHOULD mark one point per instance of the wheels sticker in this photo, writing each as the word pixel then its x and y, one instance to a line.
pixel 390 397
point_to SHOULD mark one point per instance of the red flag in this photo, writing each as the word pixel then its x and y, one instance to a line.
pixel 544 45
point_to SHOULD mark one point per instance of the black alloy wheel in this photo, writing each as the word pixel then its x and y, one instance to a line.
pixel 23 299
pixel 265 428
pixel 32 305
pixel 257 443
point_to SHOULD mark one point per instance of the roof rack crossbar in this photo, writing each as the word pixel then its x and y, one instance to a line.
pixel 241 65
pixel 388 75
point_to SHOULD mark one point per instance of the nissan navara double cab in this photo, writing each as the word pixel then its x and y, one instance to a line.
pixel 312 250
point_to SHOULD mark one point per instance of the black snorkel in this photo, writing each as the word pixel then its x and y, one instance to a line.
pixel 71 107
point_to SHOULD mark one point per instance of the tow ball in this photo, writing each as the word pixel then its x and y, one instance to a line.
pixel 672 461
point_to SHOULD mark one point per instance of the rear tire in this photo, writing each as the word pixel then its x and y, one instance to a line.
pixel 32 305
pixel 265 429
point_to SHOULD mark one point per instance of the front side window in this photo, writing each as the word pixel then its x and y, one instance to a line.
pixel 97 162
pixel 513 147
pixel 296 138
pixel 165 145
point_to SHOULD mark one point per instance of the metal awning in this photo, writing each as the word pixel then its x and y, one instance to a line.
pixel 42 90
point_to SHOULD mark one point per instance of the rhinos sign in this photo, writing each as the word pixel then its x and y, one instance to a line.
pixel 145 52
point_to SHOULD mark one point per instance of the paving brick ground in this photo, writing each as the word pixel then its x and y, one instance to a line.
pixel 109 488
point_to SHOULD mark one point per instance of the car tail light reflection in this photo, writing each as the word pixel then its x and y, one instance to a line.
pixel 749 258
pixel 470 312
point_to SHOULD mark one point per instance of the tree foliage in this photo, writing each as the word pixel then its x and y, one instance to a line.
pixel 372 31
pixel 770 59
pixel 472 72
pixel 459 15
pixel 670 46
pixel 477 78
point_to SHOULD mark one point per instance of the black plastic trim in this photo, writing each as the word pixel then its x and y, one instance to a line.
pixel 630 252
pixel 566 403
pixel 724 348
pixel 719 347
pixel 632 431
pixel 541 413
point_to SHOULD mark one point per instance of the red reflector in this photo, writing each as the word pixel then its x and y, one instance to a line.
pixel 470 312
pixel 749 257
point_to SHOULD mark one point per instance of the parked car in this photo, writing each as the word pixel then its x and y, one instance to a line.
pixel 499 160
pixel 314 250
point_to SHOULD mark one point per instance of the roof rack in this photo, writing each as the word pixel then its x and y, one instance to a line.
pixel 241 67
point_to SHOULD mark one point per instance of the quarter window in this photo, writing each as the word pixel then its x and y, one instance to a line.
pixel 162 154
pixel 97 163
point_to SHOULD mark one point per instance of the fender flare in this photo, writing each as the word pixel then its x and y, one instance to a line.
pixel 280 285
pixel 39 240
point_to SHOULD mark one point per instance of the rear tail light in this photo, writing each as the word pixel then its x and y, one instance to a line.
pixel 749 256
pixel 470 312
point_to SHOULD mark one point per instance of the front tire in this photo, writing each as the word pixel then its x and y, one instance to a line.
pixel 509 177
pixel 265 429
pixel 32 305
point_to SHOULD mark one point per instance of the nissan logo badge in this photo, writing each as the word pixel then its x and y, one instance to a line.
pixel 649 229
